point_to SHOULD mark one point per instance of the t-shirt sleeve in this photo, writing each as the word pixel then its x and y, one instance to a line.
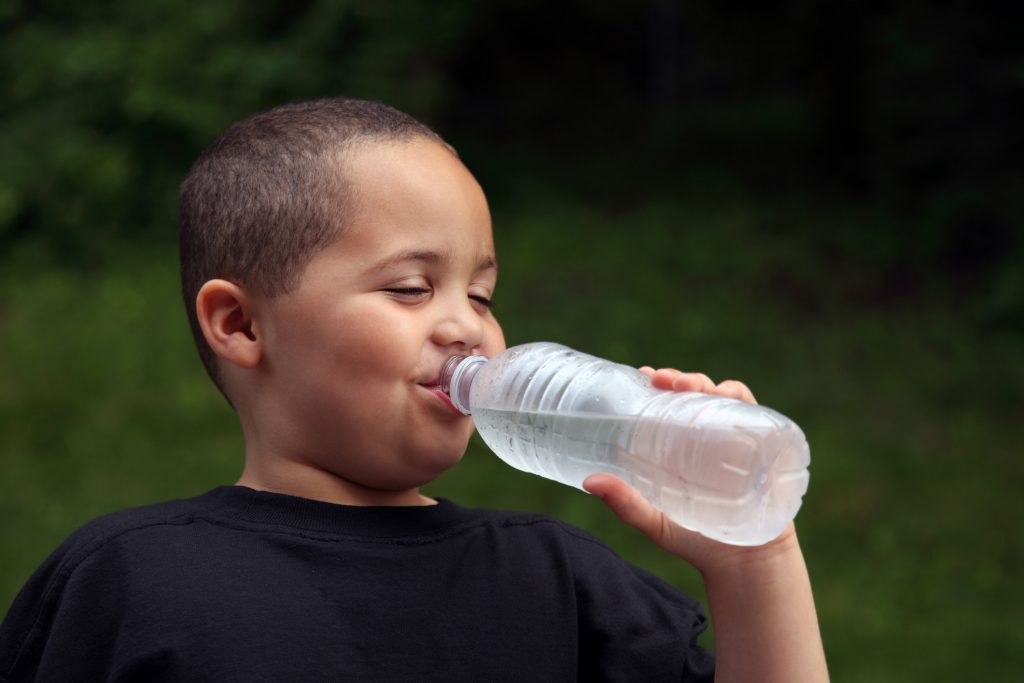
pixel 63 623
pixel 634 626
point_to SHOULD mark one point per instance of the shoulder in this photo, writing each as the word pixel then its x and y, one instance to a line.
pixel 121 526
pixel 100 544
pixel 631 624
pixel 585 553
pixel 594 561
pixel 119 522
pixel 84 580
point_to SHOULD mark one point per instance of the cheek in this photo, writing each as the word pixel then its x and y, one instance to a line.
pixel 374 345
pixel 495 339
pixel 355 331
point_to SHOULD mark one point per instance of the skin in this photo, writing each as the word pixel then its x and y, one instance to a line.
pixel 333 383
pixel 762 608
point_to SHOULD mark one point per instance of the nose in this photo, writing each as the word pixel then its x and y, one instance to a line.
pixel 459 325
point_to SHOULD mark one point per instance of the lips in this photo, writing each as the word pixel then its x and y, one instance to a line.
pixel 434 386
pixel 447 401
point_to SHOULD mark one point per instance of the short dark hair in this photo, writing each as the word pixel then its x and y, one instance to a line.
pixel 270 192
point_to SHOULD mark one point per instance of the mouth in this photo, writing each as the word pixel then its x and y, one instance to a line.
pixel 434 387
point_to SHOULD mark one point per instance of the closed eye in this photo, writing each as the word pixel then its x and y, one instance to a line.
pixel 482 300
pixel 422 291
pixel 407 291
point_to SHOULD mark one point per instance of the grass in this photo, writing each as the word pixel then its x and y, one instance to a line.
pixel 911 403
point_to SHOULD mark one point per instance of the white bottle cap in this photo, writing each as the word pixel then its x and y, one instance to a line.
pixel 457 379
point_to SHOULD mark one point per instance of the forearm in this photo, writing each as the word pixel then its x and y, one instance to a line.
pixel 760 598
pixel 762 610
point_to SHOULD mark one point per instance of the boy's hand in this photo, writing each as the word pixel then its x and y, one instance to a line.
pixel 766 628
pixel 704 553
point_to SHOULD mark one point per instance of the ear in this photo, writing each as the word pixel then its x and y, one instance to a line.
pixel 225 312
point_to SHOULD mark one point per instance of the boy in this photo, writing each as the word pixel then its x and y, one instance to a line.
pixel 334 254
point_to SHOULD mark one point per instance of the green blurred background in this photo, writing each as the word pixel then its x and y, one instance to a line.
pixel 821 199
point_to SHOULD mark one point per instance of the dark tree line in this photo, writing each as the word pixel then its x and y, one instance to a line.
pixel 911 106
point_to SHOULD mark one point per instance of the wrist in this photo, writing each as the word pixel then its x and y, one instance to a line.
pixel 763 563
pixel 762 607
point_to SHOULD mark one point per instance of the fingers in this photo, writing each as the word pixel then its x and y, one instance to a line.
pixel 628 505
pixel 674 380
pixel 682 381
pixel 735 389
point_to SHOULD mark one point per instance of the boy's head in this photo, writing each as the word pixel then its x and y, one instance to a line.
pixel 334 254
pixel 270 192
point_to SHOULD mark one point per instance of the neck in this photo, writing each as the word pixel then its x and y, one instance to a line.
pixel 307 481
pixel 275 466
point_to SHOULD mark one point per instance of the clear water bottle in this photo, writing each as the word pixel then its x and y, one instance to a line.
pixel 730 470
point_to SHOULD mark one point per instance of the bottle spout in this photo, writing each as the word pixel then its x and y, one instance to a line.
pixel 456 379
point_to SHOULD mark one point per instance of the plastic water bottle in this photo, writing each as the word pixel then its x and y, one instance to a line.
pixel 730 470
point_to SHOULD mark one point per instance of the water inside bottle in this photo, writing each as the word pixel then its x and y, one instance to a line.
pixel 751 485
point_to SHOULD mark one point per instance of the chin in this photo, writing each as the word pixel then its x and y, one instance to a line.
pixel 442 460
pixel 446 461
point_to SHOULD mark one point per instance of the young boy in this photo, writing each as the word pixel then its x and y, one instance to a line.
pixel 333 255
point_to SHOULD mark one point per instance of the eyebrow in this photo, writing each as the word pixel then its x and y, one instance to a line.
pixel 429 257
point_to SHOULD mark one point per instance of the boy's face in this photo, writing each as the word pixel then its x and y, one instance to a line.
pixel 352 355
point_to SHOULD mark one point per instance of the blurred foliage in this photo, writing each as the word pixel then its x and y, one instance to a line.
pixel 821 199
pixel 909 106
pixel 107 104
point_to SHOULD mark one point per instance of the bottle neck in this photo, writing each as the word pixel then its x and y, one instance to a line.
pixel 457 378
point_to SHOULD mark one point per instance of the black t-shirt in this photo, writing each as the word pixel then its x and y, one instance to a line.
pixel 240 585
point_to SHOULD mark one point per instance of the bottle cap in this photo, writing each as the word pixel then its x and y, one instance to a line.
pixel 457 378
